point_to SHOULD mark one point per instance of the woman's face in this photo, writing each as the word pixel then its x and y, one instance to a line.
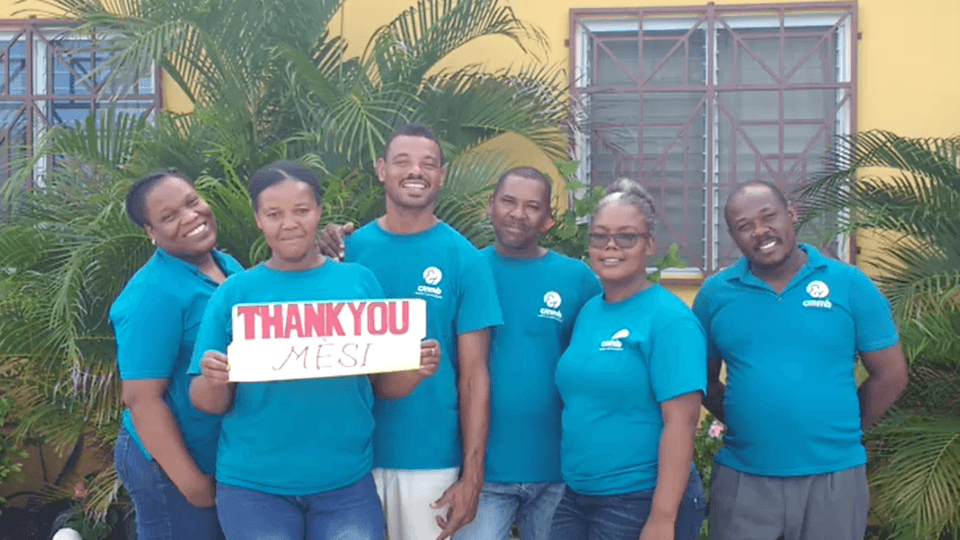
pixel 288 215
pixel 178 219
pixel 620 243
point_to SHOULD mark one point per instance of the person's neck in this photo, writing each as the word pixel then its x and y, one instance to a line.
pixel 401 220
pixel 312 259
pixel 779 275
pixel 618 291
pixel 533 251
pixel 201 261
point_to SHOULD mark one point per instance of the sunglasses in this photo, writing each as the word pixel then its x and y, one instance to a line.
pixel 622 240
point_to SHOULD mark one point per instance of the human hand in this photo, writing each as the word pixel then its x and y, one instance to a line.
pixel 331 240
pixel 200 490
pixel 462 499
pixel 215 368
pixel 429 358
pixel 658 529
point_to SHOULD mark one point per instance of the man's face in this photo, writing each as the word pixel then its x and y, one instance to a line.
pixel 411 173
pixel 762 227
pixel 519 212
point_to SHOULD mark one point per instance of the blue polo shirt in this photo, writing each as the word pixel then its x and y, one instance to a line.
pixel 791 400
pixel 540 299
pixel 439 265
pixel 624 360
pixel 155 320
pixel 298 437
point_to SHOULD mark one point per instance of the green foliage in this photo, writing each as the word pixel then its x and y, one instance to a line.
pixel 707 442
pixel 907 191
pixel 11 454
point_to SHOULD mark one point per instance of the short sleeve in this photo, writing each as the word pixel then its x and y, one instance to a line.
pixel 590 284
pixel 148 324
pixel 677 359
pixel 479 305
pixel 872 315
pixel 701 310
pixel 215 328
pixel 370 284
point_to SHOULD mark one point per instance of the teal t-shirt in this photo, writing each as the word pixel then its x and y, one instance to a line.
pixel 540 299
pixel 299 437
pixel 624 360
pixel 439 265
pixel 155 320
pixel 791 402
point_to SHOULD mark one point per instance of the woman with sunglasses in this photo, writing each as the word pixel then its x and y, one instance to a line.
pixel 631 382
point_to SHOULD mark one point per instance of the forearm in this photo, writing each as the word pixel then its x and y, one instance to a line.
pixel 160 434
pixel 876 395
pixel 211 398
pixel 395 385
pixel 673 472
pixel 474 386
pixel 713 401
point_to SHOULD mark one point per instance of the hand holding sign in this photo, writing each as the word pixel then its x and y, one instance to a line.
pixel 214 367
pixel 429 358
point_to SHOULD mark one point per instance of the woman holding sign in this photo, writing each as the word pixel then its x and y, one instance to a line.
pixel 295 455
pixel 631 382
pixel 166 449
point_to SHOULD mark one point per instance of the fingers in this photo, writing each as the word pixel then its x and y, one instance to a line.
pixel 429 357
pixel 453 523
pixel 215 367
pixel 330 242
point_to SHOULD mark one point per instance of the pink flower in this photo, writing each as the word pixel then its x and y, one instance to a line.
pixel 716 430
pixel 80 490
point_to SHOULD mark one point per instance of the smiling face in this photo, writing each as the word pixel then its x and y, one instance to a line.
pixel 620 244
pixel 411 172
pixel 178 219
pixel 288 215
pixel 519 212
pixel 762 227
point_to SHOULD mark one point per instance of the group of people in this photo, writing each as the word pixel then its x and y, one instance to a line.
pixel 551 396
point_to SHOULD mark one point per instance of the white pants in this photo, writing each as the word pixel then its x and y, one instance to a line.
pixel 406 496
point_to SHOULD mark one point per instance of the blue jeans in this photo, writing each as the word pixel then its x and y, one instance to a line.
pixel 621 517
pixel 350 513
pixel 163 513
pixel 531 506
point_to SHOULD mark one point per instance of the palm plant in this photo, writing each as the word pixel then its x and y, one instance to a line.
pixel 907 192
pixel 266 82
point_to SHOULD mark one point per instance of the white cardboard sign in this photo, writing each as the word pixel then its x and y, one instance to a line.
pixel 310 340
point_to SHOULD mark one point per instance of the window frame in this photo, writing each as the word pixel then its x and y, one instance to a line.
pixel 840 16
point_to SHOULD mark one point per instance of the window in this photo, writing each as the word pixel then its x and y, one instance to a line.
pixel 693 101
pixel 44 82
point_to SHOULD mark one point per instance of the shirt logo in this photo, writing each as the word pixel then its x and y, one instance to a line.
pixel 818 291
pixel 432 277
pixel 614 343
pixel 553 300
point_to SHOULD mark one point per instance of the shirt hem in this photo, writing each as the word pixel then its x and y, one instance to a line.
pixel 285 491
pixel 806 471
pixel 880 344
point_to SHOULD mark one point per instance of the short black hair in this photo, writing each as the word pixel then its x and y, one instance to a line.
pixel 412 130
pixel 139 191
pixel 777 194
pixel 531 174
pixel 277 172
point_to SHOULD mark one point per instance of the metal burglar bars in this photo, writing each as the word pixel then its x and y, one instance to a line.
pixel 43 82
pixel 694 100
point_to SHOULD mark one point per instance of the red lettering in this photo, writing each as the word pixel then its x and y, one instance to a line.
pixel 294 323
pixel 249 314
pixel 313 320
pixel 402 328
pixel 274 321
pixel 373 319
pixel 356 311
pixel 333 319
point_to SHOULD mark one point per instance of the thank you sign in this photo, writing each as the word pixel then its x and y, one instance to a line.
pixel 307 340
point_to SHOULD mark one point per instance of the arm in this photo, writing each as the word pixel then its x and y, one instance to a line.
pixel 888 377
pixel 680 417
pixel 330 241
pixel 401 384
pixel 160 435
pixel 474 386
pixel 211 391
pixel 713 401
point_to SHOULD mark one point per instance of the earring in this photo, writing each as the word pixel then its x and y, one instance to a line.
pixel 153 241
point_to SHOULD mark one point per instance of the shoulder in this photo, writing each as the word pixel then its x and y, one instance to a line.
pixel 449 235
pixel 150 285
pixel 228 262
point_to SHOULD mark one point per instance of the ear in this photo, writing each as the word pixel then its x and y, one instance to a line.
pixel 651 246
pixel 793 212
pixel 443 174
pixel 547 225
pixel 256 217
pixel 149 230
pixel 381 169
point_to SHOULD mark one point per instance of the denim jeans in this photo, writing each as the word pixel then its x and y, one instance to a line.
pixel 621 517
pixel 350 513
pixel 530 506
pixel 163 513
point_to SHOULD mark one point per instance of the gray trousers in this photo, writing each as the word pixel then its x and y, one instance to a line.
pixel 823 507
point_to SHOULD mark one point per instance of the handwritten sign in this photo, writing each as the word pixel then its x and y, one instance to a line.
pixel 308 340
